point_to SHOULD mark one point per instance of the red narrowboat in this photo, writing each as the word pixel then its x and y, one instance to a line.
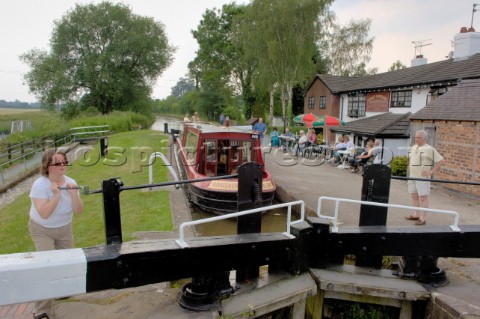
pixel 205 150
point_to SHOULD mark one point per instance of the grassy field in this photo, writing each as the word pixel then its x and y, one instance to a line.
pixel 141 210
pixel 9 111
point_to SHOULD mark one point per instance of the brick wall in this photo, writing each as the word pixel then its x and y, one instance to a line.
pixel 318 89
pixel 459 143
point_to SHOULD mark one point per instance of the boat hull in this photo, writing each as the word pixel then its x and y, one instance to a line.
pixel 199 152
pixel 221 202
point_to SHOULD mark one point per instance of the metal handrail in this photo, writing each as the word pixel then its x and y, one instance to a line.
pixel 337 201
pixel 181 241
pixel 166 162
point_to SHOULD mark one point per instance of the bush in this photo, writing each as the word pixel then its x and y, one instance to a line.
pixel 42 123
pixel 118 121
pixel 399 166
pixel 46 122
pixel 320 138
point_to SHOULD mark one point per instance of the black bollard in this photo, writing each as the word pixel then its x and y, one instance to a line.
pixel 249 197
pixel 111 210
pixel 165 127
pixel 103 146
pixel 375 188
pixel 204 292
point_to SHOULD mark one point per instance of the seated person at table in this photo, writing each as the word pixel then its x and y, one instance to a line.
pixel 377 152
pixel 361 159
pixel 340 146
pixel 302 143
pixel 348 143
pixel 274 138
pixel 287 135
pixel 312 137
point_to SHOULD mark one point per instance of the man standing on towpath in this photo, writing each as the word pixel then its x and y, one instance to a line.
pixel 423 162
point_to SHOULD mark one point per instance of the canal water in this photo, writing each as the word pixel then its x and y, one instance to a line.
pixel 272 220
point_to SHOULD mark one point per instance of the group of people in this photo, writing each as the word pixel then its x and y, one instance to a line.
pixel 224 120
pixel 343 144
pixel 195 118
pixel 306 140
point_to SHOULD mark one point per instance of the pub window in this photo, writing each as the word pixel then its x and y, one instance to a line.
pixel 401 99
pixel 435 92
pixel 356 105
pixel 311 102
pixel 323 102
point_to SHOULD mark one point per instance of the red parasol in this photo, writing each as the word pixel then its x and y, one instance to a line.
pixel 327 120
pixel 308 119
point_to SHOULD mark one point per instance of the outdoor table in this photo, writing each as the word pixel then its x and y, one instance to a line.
pixel 344 158
pixel 286 141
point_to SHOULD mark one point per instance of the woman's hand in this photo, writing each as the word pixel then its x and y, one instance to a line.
pixel 72 189
pixel 77 204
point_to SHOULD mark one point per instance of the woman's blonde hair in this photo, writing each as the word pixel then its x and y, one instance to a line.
pixel 47 159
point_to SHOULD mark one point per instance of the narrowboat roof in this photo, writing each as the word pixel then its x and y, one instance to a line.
pixel 210 128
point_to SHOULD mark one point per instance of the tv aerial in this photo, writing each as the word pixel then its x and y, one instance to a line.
pixel 418 46
pixel 473 12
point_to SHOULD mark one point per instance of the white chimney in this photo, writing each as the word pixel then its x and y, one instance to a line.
pixel 466 43
pixel 418 60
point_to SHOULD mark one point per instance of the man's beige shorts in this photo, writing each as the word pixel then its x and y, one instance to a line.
pixel 420 187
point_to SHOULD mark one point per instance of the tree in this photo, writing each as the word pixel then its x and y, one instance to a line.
pixel 220 68
pixel 100 55
pixel 183 86
pixel 281 35
pixel 397 65
pixel 347 48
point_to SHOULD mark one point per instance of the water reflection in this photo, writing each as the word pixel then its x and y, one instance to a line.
pixel 272 221
pixel 173 123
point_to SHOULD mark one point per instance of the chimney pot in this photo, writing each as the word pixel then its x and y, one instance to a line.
pixel 463 30
pixel 471 29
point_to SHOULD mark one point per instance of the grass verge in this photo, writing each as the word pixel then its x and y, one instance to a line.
pixel 141 210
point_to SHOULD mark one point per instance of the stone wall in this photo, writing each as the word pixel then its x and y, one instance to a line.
pixel 459 143
pixel 446 307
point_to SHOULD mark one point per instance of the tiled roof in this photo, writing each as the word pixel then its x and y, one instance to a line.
pixel 460 103
pixel 441 72
pixel 382 125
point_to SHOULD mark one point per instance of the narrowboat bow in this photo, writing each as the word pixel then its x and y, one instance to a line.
pixel 205 150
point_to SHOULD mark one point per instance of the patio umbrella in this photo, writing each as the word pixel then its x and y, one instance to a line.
pixel 308 119
pixel 326 121
pixel 298 118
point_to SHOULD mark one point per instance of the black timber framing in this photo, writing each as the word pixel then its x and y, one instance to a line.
pixel 140 263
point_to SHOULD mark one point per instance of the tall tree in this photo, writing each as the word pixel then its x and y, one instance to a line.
pixel 347 48
pixel 397 65
pixel 102 55
pixel 220 66
pixel 183 86
pixel 281 35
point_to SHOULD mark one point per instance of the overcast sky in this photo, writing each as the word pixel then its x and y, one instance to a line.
pixel 27 24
